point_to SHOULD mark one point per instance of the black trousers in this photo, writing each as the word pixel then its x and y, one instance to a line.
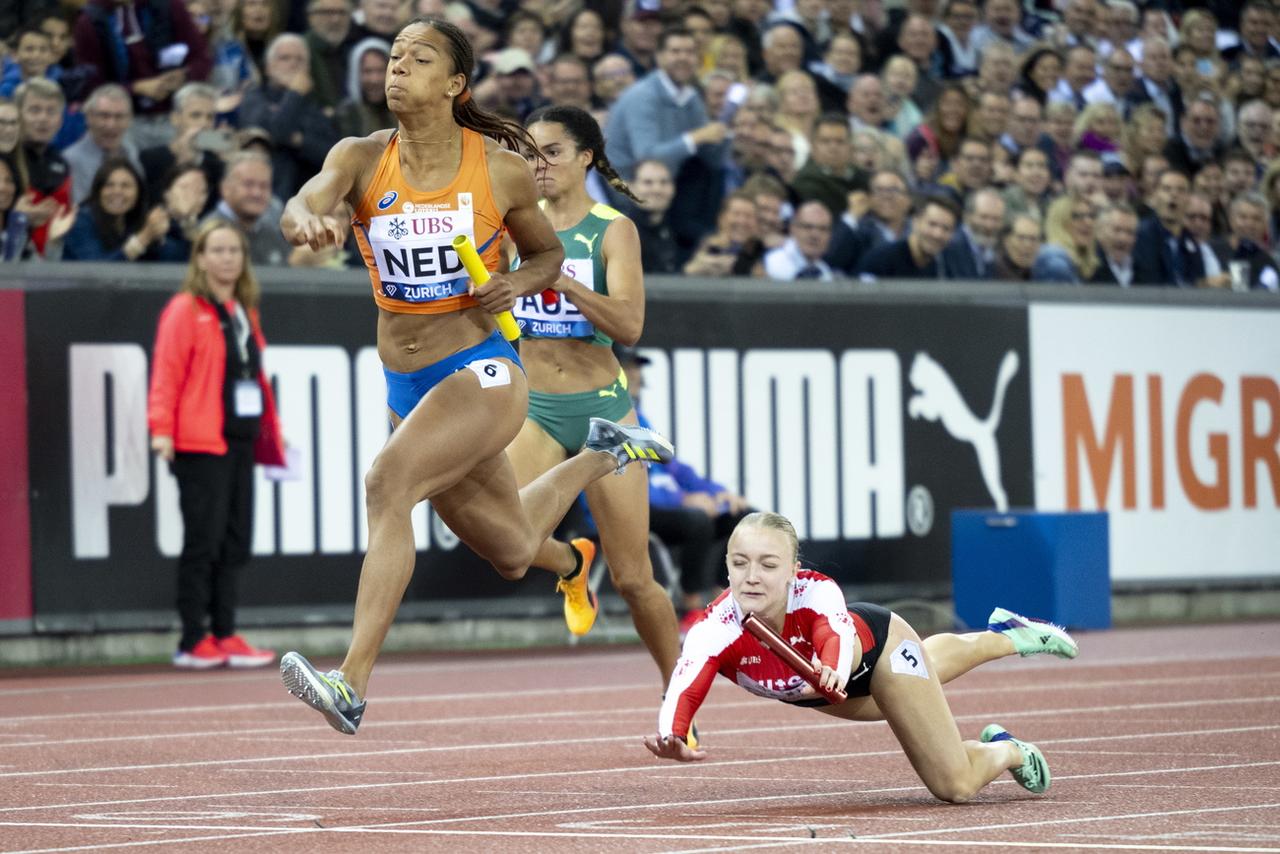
pixel 216 497
pixel 699 540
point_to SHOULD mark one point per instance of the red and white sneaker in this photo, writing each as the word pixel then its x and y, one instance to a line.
pixel 205 655
pixel 240 654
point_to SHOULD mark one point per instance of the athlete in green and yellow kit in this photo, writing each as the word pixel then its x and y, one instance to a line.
pixel 573 376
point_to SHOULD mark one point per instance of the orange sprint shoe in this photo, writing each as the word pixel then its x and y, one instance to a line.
pixel 580 605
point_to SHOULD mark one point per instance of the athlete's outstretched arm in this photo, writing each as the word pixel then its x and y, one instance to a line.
pixel 539 248
pixel 620 315
pixel 308 217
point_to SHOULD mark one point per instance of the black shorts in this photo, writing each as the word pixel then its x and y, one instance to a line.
pixel 859 684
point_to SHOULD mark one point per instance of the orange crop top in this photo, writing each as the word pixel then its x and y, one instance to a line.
pixel 405 235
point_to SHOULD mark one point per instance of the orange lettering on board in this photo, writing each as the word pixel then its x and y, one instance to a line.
pixel 1117 437
pixel 1206 496
pixel 1155 426
pixel 1257 448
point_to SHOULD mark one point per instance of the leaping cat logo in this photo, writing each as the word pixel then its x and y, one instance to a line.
pixel 937 398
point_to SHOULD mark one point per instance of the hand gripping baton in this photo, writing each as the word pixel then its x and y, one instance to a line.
pixel 479 276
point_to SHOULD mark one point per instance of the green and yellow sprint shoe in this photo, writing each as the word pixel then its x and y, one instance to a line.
pixel 1033 774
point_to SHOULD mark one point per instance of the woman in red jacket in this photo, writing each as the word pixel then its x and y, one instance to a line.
pixel 211 415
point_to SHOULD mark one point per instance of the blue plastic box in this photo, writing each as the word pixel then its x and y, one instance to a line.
pixel 1053 566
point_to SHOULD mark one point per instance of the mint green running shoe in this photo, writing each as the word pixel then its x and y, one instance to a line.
pixel 1032 637
pixel 1033 774
pixel 327 693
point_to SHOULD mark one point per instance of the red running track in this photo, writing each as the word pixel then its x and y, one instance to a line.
pixel 1159 740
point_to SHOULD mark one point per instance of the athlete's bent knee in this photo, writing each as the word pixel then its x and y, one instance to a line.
pixel 951 791
pixel 513 565
pixel 631 582
pixel 384 489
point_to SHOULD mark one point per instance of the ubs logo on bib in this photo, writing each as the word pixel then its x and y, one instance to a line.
pixel 388 199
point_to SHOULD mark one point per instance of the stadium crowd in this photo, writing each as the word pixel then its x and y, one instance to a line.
pixel 1073 141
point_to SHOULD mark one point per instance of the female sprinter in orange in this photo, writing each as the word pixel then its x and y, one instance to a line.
pixel 573 375
pixel 455 388
pixel 887 671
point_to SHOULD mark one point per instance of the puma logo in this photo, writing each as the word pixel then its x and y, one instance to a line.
pixel 591 244
pixel 937 398
pixel 608 392
pixel 861 672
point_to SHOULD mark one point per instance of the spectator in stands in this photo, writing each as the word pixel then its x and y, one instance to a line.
pixel 662 117
pixel 918 41
pixel 14 242
pixel 773 209
pixel 301 134
pixel 971 254
pixel 867 105
pixel 1079 73
pixel 569 82
pixel 1207 270
pixel 1209 181
pixel 109 111
pixel 1119 28
pixel 829 175
pixel 1019 243
pixel 184 196
pixel 944 127
pixel 248 203
pixel 193 141
pixel 365 108
pixel 887 220
pixel 971 168
pixel 640 43
pixel 329 52
pixel 1117 183
pixel 527 31
pixel 1257 24
pixel 1070 253
pixel 211 416
pixel 1029 192
pixel 1198 141
pixel 513 87
pixel 611 76
pixel 30 58
pixel 1117 233
pixel 382 19
pixel 1157 85
pixel 990 120
pixel 842 60
pixel 233 69
pixel 734 248
pixel 898 79
pixel 1240 173
pixel 1244 243
pixel 151 47
pixel 9 126
pixel 256 24
pixel 1083 178
pixel 997 70
pixel 1144 136
pixel 958 46
pixel 1025 126
pixel 45 174
pixel 1040 71
pixel 115 223
pixel 584 36
pixel 1117 83
pixel 655 188
pixel 1099 128
pixel 918 255
pixel 801 257
pixel 1159 255
pixel 1253 127
pixel 1001 24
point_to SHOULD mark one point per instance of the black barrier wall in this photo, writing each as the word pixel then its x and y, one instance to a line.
pixel 829 411
pixel 866 414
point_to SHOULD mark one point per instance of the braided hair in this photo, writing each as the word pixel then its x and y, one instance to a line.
pixel 465 111
pixel 585 130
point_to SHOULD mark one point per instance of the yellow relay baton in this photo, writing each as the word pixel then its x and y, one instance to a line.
pixel 480 275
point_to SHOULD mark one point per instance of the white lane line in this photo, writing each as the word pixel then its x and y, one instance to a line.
pixel 102 846
pixel 1074 820
pixel 274 706
pixel 106 681
pixel 692 772
pixel 1061 712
